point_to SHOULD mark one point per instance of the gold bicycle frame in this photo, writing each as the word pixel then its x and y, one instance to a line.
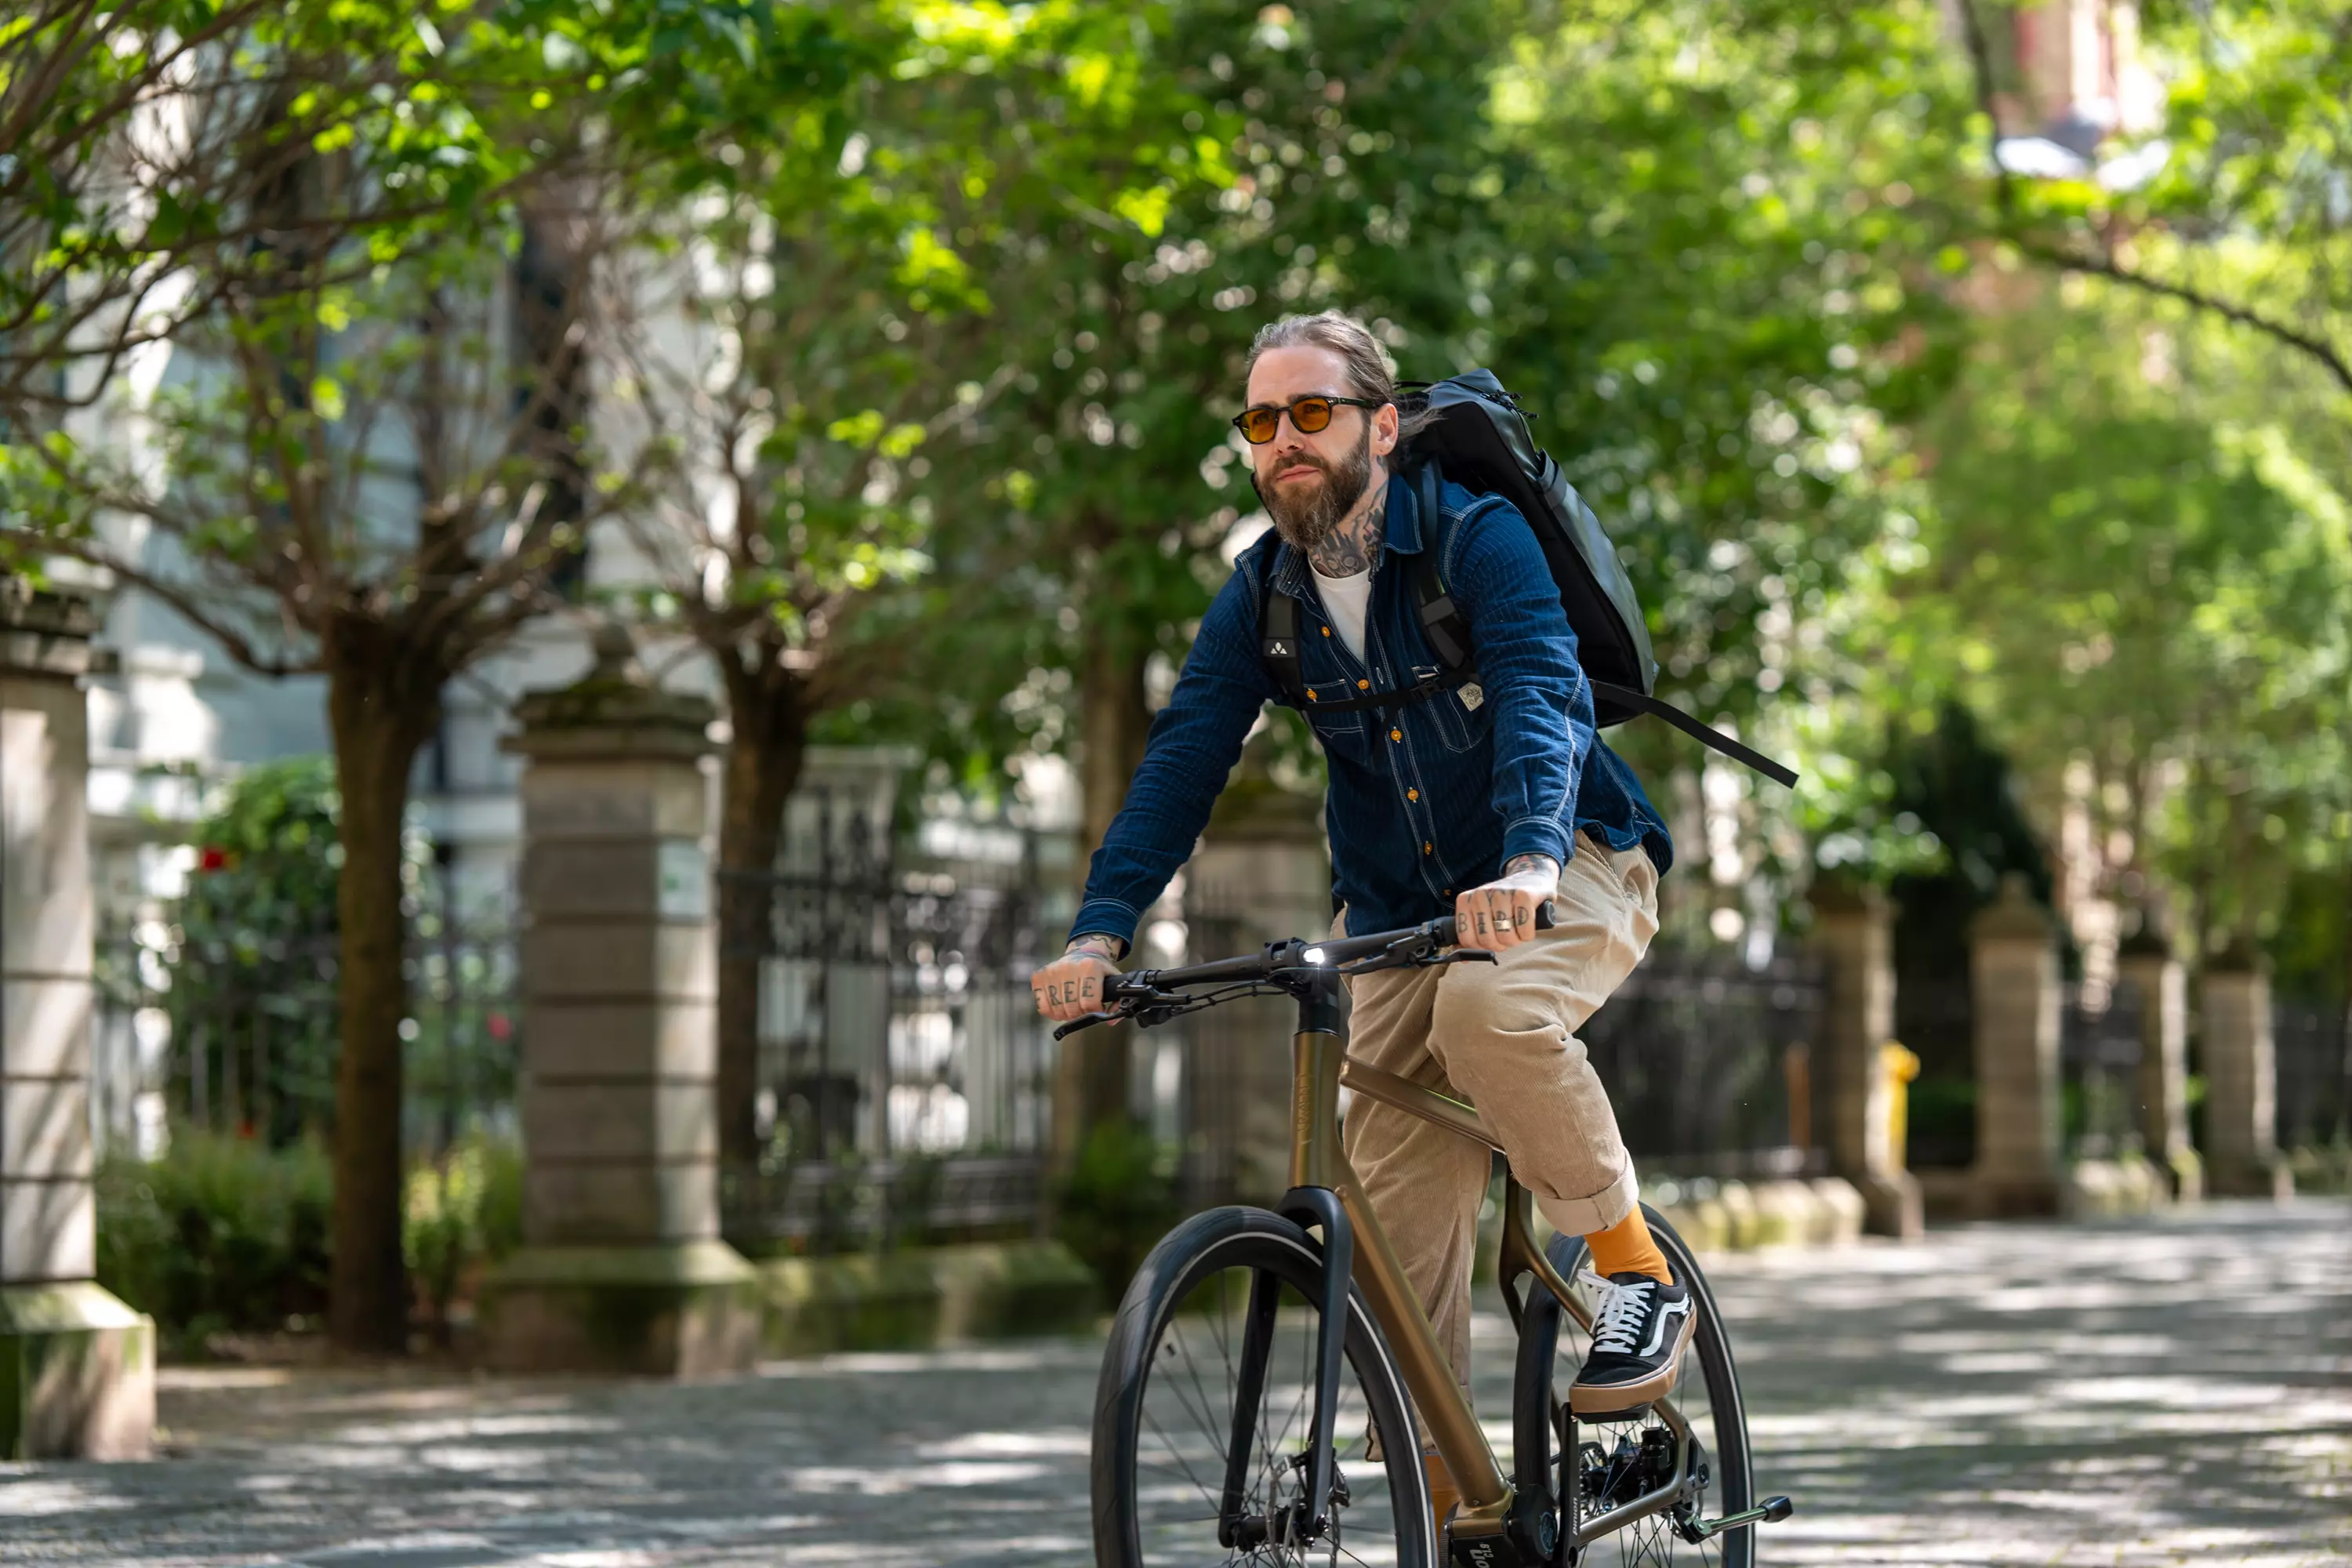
pixel 1320 1067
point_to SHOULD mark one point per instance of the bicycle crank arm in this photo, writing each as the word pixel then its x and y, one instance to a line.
pixel 1774 1510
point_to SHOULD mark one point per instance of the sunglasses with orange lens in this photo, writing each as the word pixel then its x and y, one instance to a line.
pixel 1307 415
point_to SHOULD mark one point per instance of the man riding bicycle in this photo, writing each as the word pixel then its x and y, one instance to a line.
pixel 1484 802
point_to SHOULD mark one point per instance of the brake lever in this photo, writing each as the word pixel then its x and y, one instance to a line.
pixel 1087 1021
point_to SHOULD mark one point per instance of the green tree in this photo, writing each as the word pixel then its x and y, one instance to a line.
pixel 1177 178
pixel 1726 298
pixel 374 471
pixel 790 353
pixel 2234 205
pixel 2144 587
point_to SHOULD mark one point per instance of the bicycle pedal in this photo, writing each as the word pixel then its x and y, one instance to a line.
pixel 1613 1418
pixel 1771 1511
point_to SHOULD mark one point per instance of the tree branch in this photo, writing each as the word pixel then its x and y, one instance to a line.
pixel 2241 315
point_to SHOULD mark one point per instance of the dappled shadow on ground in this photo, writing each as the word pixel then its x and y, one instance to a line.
pixel 2143 1394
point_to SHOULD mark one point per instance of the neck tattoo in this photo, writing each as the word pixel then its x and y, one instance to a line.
pixel 1354 546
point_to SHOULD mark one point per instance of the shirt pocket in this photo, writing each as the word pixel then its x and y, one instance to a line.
pixel 1463 717
pixel 1342 735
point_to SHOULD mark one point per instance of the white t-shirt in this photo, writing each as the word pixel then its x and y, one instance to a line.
pixel 1347 600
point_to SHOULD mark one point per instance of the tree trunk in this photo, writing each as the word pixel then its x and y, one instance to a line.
pixel 381 712
pixel 1112 723
pixel 1092 1086
pixel 768 715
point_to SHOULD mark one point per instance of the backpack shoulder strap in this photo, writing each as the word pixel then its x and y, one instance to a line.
pixel 1442 620
pixel 1277 641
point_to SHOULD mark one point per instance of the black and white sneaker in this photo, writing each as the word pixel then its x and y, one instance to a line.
pixel 1639 1329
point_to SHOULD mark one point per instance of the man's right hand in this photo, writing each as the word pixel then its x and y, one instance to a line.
pixel 1071 985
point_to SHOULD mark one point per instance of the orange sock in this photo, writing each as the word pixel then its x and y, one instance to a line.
pixel 1626 1248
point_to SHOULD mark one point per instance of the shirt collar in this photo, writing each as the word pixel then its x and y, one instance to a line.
pixel 1292 572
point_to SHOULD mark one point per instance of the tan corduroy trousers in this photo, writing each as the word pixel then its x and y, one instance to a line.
pixel 1503 1036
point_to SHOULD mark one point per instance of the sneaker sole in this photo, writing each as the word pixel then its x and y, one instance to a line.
pixel 1624 1400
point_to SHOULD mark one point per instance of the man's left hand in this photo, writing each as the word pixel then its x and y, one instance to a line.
pixel 1503 913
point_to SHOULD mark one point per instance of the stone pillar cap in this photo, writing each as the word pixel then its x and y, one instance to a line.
pixel 2014 916
pixel 2235 957
pixel 46 630
pixel 612 710
pixel 1836 891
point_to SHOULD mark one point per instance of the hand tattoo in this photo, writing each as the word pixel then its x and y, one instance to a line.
pixel 1530 862
pixel 1353 547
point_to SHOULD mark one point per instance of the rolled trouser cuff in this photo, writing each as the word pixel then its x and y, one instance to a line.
pixel 1582 1216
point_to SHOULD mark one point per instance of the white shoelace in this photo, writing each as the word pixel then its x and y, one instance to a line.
pixel 1617 1323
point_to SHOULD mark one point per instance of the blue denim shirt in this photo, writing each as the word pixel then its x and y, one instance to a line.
pixel 1426 801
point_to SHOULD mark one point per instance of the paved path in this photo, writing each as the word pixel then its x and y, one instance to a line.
pixel 2171 1392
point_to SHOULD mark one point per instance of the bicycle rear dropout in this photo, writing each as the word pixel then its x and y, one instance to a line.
pixel 1258 1397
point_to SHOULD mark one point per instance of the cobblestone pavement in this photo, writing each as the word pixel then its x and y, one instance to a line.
pixel 2175 1390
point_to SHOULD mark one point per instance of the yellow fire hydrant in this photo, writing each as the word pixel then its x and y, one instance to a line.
pixel 1900 1065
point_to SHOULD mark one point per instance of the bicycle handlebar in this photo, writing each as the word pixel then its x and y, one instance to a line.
pixel 1277 958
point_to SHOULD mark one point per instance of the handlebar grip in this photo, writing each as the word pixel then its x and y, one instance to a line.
pixel 1543 916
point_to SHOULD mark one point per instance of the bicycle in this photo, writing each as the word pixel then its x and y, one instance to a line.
pixel 1312 1283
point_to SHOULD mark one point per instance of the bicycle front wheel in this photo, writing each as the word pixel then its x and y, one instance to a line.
pixel 1165 1412
pixel 1617 1462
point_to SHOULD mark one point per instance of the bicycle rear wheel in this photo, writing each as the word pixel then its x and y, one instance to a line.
pixel 1171 1380
pixel 1617 1462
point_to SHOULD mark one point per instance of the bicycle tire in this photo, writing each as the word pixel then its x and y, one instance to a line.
pixel 1535 1398
pixel 1198 1254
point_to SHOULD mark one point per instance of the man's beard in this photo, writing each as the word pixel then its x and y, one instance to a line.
pixel 1307 517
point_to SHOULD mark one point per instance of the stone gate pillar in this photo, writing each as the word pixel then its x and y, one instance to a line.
pixel 1854 929
pixel 621 1267
pixel 2013 985
pixel 77 1366
pixel 2239 1056
pixel 2149 971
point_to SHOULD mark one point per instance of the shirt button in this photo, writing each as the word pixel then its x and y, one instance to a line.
pixel 1363 686
pixel 1412 794
pixel 1394 734
pixel 1310 694
pixel 1327 631
pixel 1428 849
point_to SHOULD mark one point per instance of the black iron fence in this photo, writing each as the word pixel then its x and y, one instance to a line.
pixel 235 1030
pixel 1705 1059
pixel 905 1079
pixel 1709 1062
pixel 2099 1064
pixel 2314 1072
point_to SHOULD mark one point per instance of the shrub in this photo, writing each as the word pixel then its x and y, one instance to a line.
pixel 222 1234
pixel 254 958
pixel 461 1212
pixel 1117 1200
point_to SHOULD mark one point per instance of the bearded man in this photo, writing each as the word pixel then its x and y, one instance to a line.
pixel 1485 802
